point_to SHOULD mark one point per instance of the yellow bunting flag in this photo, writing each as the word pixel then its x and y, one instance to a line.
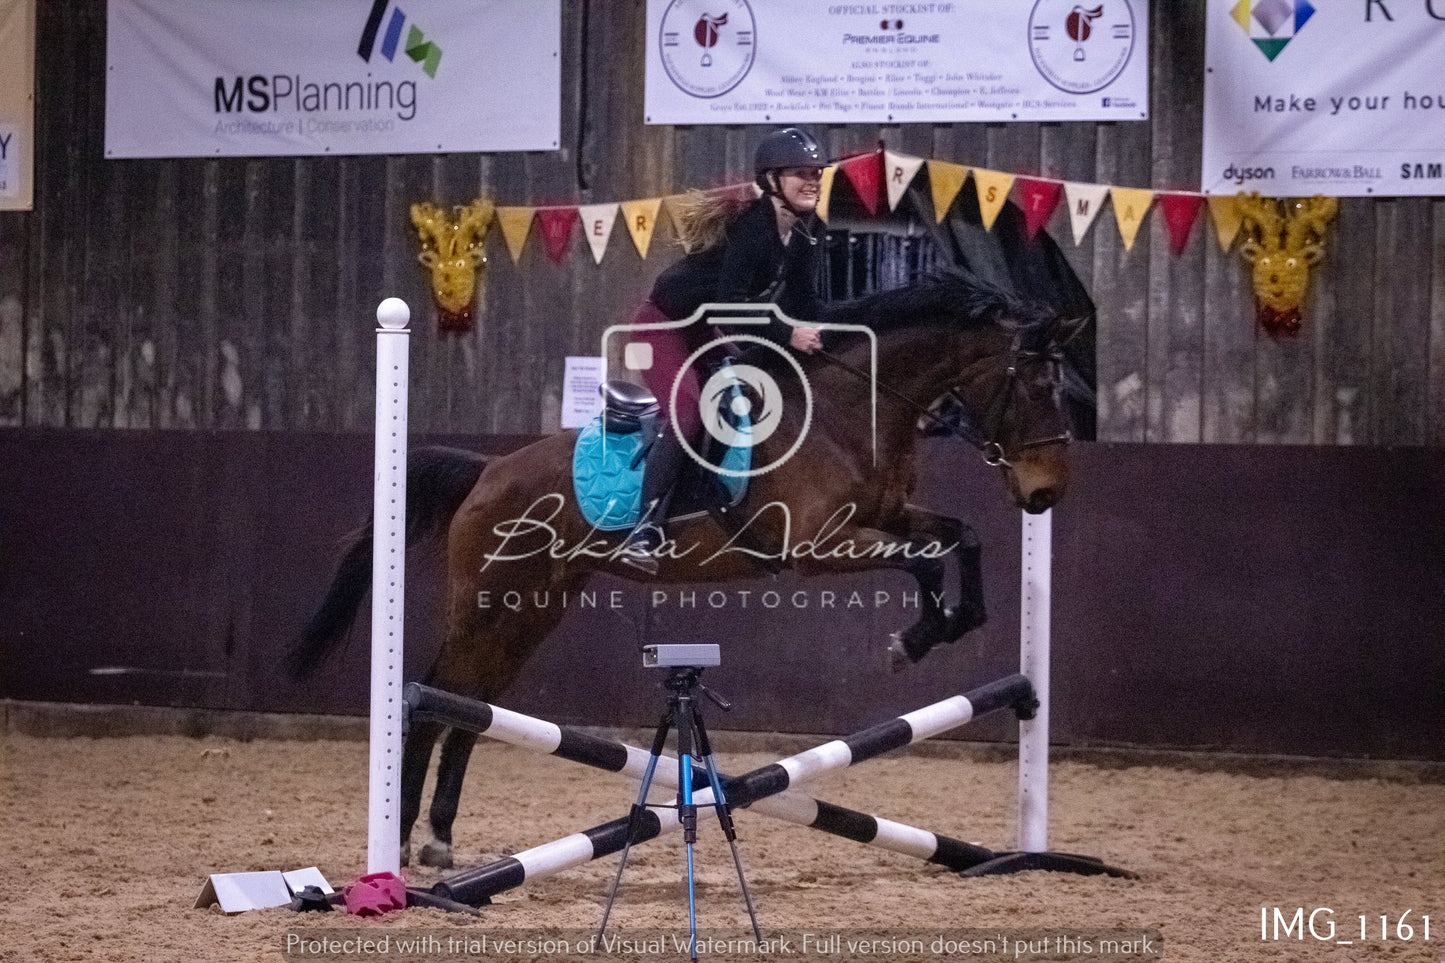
pixel 945 180
pixel 898 172
pixel 1084 201
pixel 1130 206
pixel 516 223
pixel 597 220
pixel 641 219
pixel 670 204
pixel 825 191
pixel 993 188
pixel 1224 212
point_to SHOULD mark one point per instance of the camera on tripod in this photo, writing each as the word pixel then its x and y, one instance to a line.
pixel 681 656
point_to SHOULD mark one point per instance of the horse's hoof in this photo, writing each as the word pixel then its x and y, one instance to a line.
pixel 438 855
pixel 898 659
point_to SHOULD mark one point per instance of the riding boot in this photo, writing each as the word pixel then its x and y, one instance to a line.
pixel 659 478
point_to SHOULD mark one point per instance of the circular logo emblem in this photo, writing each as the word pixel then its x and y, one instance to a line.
pixel 1081 48
pixel 707 46
pixel 742 405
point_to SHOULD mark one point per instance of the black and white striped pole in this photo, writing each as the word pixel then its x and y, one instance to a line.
pixel 388 579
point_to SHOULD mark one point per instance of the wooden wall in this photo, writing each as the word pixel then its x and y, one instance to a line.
pixel 239 293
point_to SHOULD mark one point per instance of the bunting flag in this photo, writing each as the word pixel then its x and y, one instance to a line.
pixel 899 171
pixel 516 223
pixel 556 226
pixel 1180 210
pixel 1084 201
pixel 597 220
pixel 1039 199
pixel 1130 206
pixel 825 191
pixel 865 172
pixel 669 204
pixel 993 188
pixel 1224 212
pixel 641 220
pixel 945 180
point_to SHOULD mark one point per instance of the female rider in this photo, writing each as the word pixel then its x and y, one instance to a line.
pixel 767 251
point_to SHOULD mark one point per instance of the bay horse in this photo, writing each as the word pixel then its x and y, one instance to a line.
pixel 839 504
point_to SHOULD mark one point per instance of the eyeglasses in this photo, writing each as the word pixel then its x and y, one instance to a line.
pixel 803 173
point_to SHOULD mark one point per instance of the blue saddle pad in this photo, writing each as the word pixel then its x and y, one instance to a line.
pixel 609 490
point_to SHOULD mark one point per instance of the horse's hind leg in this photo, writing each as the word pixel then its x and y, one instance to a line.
pixel 415 758
pixel 446 797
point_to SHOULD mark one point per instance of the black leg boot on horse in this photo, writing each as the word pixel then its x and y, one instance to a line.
pixel 659 479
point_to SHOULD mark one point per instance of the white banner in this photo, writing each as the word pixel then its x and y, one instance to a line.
pixel 827 61
pixel 1334 97
pixel 17 111
pixel 204 78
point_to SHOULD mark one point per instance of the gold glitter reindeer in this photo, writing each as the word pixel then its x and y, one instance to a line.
pixel 451 248
pixel 1285 239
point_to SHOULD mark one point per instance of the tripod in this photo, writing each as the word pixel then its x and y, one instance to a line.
pixel 683 714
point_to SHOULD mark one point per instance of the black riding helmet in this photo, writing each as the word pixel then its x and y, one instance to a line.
pixel 789 147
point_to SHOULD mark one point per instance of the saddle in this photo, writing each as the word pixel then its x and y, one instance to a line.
pixel 610 455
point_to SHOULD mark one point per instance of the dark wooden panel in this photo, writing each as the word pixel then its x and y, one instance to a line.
pixel 1190 611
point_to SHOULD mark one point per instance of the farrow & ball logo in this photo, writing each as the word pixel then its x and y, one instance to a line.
pixel 1271 24
pixel 1081 48
pixel 707 46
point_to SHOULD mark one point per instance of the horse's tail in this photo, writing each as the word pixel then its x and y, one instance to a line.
pixel 437 482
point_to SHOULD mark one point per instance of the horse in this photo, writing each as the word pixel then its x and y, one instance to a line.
pixel 834 498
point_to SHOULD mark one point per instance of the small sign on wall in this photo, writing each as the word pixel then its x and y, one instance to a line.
pixel 581 395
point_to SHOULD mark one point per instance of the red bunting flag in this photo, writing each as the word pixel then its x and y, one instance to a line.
pixel 1180 210
pixel 555 224
pixel 1038 198
pixel 865 173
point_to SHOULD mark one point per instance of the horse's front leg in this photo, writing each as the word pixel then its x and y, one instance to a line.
pixel 858 548
pixel 969 612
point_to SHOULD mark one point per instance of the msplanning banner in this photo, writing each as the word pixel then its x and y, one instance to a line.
pixel 17 104
pixel 1334 97
pixel 826 61
pixel 203 78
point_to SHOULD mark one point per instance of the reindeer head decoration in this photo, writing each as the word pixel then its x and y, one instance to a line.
pixel 1285 239
pixel 451 248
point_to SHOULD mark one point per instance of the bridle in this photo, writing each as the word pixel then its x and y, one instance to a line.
pixel 986 441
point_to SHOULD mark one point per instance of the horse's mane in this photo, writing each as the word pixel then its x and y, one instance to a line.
pixel 949 296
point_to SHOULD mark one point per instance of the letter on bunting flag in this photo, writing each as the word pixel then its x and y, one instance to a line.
pixel 1038 198
pixel 1084 201
pixel 641 219
pixel 556 225
pixel 597 226
pixel 1130 206
pixel 899 170
pixel 993 188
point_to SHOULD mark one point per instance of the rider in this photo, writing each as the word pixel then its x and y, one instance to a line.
pixel 766 251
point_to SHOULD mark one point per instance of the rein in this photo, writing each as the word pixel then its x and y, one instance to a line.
pixel 987 444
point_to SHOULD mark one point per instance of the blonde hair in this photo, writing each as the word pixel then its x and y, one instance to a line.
pixel 702 218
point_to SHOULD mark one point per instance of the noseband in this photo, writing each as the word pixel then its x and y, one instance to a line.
pixel 987 441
